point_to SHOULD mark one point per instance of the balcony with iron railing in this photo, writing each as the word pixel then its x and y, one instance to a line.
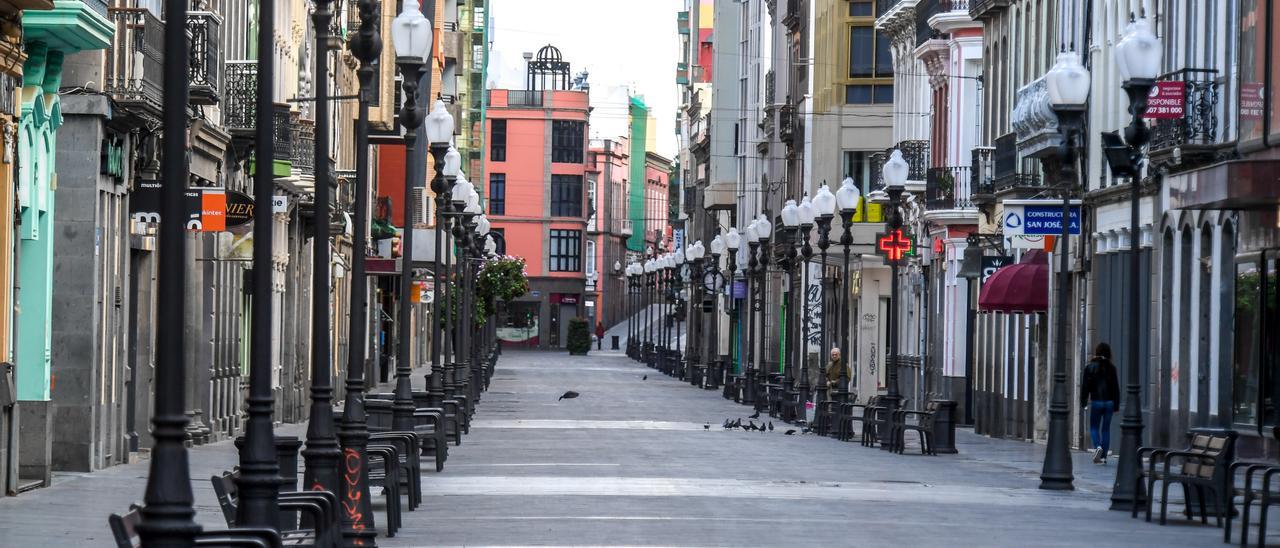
pixel 1192 138
pixel 625 227
pixel 524 98
pixel 135 60
pixel 1009 170
pixel 204 30
pixel 980 9
pixel 949 188
pixel 239 107
pixel 916 153
pixel 793 15
pixel 924 10
pixel 303 135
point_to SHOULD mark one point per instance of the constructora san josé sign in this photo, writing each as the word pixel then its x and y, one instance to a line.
pixel 1038 217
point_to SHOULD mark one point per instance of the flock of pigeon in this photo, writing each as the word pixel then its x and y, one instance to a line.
pixel 751 426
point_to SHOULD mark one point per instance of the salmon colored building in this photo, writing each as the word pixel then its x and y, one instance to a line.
pixel 536 168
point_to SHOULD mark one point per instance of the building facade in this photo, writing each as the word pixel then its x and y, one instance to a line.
pixel 537 166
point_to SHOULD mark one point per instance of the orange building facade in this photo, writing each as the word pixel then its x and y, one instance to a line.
pixel 536 170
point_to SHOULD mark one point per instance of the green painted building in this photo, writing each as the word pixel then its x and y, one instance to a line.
pixel 49 36
pixel 639 114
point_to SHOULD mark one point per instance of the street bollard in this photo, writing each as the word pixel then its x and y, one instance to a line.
pixel 944 428
pixel 287 453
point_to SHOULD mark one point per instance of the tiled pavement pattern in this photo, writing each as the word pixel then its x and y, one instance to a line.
pixel 629 463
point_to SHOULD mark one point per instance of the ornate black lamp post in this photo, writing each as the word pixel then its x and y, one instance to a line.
pixel 894 246
pixel 693 256
pixel 168 518
pixel 446 177
pixel 661 287
pixel 824 204
pixel 412 38
pixel 649 281
pixel 715 372
pixel 633 328
pixel 357 514
pixel 807 217
pixel 321 453
pixel 752 237
pixel 1068 83
pixel 847 198
pixel 466 205
pixel 259 480
pixel 679 269
pixel 732 242
pixel 1138 55
pixel 787 263
pixel 760 295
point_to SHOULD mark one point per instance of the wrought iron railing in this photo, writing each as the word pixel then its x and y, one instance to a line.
pixel 916 153
pixel 623 226
pixel 1008 169
pixel 877 170
pixel 983 171
pixel 303 134
pixel 949 188
pixel 524 98
pixel 786 123
pixel 979 8
pixel 240 93
pixel 136 58
pixel 1199 122
pixel 924 10
pixel 203 28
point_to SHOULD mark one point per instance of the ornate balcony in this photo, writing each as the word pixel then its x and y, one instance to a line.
pixel 240 108
pixel 206 56
pixel 1009 171
pixel 303 136
pixel 916 153
pixel 786 123
pixel 524 98
pixel 135 61
pixel 1193 138
pixel 980 9
pixel 949 188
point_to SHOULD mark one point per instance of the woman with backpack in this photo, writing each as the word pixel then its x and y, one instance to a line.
pixel 1100 391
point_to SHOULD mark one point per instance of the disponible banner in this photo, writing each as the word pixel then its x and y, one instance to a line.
pixel 1167 101
pixel 208 209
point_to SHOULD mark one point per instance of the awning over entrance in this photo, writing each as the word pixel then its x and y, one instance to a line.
pixel 1018 288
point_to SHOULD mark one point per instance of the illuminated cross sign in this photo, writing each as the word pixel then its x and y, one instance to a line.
pixel 894 245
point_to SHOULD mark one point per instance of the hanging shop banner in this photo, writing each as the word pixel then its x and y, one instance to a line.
pixel 239 208
pixel 1038 217
pixel 1167 101
pixel 208 209
pixel 213 211
pixel 990 264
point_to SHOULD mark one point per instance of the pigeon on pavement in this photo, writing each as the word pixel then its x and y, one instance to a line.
pixel 568 395
pixel 755 416
pixel 706 426
pixel 644 378
pixel 790 432
pixel 770 426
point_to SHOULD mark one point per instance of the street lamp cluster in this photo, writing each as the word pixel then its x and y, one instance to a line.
pixel 336 462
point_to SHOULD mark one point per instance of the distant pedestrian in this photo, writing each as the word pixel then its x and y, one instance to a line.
pixel 1100 390
pixel 834 369
pixel 599 335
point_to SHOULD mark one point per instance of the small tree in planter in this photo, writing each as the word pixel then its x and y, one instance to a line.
pixel 579 337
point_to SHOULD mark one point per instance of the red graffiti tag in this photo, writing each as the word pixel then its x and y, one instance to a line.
pixel 351 502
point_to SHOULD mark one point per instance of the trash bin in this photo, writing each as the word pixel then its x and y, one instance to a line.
pixel 944 427
pixel 614 342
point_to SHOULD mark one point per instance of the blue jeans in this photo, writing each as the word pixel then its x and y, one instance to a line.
pixel 1100 424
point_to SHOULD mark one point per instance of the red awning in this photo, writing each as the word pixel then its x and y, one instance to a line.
pixel 1019 288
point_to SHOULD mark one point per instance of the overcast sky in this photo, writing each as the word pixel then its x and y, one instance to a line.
pixel 624 44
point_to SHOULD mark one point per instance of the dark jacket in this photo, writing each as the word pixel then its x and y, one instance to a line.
pixel 1100 382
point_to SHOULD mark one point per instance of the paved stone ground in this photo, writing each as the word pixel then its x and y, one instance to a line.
pixel 630 463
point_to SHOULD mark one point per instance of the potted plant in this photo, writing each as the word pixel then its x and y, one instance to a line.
pixel 579 337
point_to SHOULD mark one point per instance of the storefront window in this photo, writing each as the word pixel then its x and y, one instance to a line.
pixel 1257 314
pixel 1248 280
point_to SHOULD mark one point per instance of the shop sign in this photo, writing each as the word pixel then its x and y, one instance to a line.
pixel 1252 100
pixel 990 264
pixel 1038 217
pixel 1167 101
pixel 208 209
